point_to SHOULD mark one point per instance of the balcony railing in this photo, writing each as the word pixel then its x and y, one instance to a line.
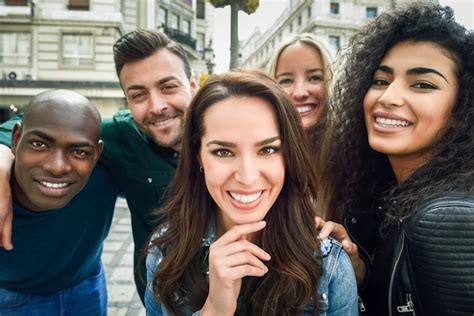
pixel 180 37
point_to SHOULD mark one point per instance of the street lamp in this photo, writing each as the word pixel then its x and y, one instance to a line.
pixel 209 57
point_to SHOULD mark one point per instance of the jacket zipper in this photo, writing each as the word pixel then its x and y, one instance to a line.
pixel 409 307
pixel 392 277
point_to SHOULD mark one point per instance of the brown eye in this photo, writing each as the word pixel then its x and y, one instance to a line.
pixel 269 150
pixel 38 144
pixel 222 153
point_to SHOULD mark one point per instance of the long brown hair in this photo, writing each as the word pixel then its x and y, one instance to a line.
pixel 290 234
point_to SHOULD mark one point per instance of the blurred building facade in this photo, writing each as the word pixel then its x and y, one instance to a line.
pixel 47 44
pixel 332 21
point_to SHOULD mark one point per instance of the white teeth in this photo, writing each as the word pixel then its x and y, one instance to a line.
pixel 164 122
pixel 391 123
pixel 304 109
pixel 54 185
pixel 246 199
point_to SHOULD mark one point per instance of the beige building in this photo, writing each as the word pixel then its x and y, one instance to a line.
pixel 332 21
pixel 46 44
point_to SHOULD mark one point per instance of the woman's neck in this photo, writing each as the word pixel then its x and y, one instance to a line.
pixel 403 166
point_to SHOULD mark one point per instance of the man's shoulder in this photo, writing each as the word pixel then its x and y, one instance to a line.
pixel 119 129
pixel 100 180
pixel 122 117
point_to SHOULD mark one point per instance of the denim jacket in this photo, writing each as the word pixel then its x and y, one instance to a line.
pixel 337 291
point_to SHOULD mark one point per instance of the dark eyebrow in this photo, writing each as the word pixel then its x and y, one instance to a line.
pixel 423 70
pixel 42 135
pixel 168 78
pixel 413 71
pixel 161 81
pixel 229 144
pixel 220 143
pixel 50 139
pixel 268 140
pixel 384 68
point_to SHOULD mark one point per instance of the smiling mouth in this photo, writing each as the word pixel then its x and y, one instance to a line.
pixel 54 185
pixel 163 122
pixel 245 198
pixel 385 122
pixel 303 109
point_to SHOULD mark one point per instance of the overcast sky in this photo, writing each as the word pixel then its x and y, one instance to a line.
pixel 269 10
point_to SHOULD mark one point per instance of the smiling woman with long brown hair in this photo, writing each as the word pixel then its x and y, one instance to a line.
pixel 240 236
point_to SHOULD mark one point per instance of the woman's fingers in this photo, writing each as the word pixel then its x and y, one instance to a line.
pixel 319 222
pixel 244 258
pixel 239 231
pixel 232 257
pixel 238 266
pixel 350 247
pixel 336 231
pixel 237 247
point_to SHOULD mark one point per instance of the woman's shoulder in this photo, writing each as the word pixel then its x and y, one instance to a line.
pixel 451 199
pixel 154 254
pixel 337 288
pixel 330 247
pixel 159 231
pixel 335 259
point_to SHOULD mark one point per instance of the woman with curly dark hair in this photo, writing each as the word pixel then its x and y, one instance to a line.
pixel 240 236
pixel 398 162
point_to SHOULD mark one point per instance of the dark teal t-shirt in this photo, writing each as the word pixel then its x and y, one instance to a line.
pixel 142 169
pixel 57 249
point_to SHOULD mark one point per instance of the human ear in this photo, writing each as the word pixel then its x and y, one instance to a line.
pixel 16 135
pixel 194 86
pixel 98 150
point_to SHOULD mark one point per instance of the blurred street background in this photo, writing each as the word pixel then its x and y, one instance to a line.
pixel 118 262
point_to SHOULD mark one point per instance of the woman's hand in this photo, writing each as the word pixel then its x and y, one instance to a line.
pixel 338 232
pixel 231 258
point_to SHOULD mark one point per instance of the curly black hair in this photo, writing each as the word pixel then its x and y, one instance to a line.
pixel 353 176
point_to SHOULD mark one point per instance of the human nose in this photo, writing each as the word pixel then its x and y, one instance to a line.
pixel 247 171
pixel 393 95
pixel 299 91
pixel 57 163
pixel 158 104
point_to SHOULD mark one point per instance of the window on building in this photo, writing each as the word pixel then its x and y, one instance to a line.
pixel 187 26
pixel 200 43
pixel 291 27
pixel 162 17
pixel 188 2
pixel 335 41
pixel 201 9
pixel 371 12
pixel 300 20
pixel 309 12
pixel 15 48
pixel 16 2
pixel 78 5
pixel 334 8
pixel 174 21
pixel 78 49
